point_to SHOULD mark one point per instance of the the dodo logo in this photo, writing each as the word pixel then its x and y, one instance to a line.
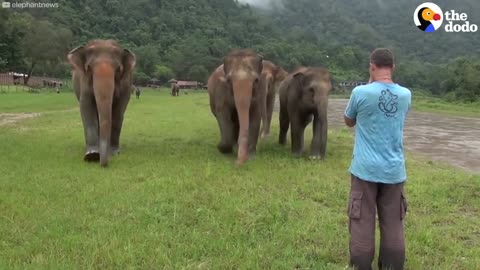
pixel 428 17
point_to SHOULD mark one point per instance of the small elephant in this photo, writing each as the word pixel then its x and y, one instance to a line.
pixel 271 78
pixel 235 101
pixel 137 92
pixel 102 80
pixel 303 96
pixel 175 90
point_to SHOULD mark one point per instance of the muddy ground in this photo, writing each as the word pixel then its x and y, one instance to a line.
pixel 451 139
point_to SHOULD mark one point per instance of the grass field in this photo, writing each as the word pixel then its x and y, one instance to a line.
pixel 438 105
pixel 171 201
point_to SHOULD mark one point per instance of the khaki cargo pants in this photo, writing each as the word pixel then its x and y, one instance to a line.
pixel 389 200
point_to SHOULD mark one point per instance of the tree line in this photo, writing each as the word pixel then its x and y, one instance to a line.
pixel 187 39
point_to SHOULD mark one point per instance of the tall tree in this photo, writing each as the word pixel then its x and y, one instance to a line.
pixel 44 42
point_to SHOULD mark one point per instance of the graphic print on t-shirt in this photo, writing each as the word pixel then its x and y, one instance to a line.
pixel 388 103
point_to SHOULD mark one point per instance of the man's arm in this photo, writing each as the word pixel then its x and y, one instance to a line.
pixel 349 122
pixel 350 115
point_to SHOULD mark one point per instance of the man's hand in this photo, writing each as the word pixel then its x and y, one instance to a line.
pixel 349 122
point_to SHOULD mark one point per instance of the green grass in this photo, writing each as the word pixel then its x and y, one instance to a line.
pixel 438 105
pixel 5 89
pixel 170 200
pixel 29 102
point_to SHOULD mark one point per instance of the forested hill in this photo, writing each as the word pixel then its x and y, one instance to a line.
pixel 369 24
pixel 188 38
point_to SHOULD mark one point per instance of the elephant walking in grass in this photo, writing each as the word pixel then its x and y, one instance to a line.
pixel 303 97
pixel 137 91
pixel 175 90
pixel 235 101
pixel 102 80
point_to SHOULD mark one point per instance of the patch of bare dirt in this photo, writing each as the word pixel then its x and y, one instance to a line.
pixel 12 118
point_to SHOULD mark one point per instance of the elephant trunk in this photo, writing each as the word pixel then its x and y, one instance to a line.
pixel 242 93
pixel 319 143
pixel 265 83
pixel 103 89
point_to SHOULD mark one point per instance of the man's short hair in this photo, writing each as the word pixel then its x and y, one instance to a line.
pixel 382 58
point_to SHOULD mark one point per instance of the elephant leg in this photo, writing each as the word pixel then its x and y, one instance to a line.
pixel 88 111
pixel 254 129
pixel 297 132
pixel 284 125
pixel 270 105
pixel 227 131
pixel 263 112
pixel 118 111
pixel 320 133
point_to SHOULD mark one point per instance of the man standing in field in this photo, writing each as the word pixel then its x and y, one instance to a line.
pixel 378 110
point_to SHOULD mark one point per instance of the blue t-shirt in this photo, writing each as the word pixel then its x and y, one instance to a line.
pixel 380 110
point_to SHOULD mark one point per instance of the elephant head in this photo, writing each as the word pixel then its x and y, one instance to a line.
pixel 242 70
pixel 280 76
pixel 313 85
pixel 105 68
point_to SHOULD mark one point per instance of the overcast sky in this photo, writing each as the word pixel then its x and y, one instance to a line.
pixel 260 3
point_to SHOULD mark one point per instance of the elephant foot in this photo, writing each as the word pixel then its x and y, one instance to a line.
pixel 282 141
pixel 241 161
pixel 114 150
pixel 92 155
pixel 297 154
pixel 225 149
pixel 252 155
pixel 316 157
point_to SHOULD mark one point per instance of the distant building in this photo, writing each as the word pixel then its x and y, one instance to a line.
pixel 15 78
pixel 351 83
pixel 187 84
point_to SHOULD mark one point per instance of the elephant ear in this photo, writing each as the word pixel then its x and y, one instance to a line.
pixel 300 79
pixel 77 58
pixel 128 61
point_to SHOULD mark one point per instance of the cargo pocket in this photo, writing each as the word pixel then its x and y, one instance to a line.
pixel 355 206
pixel 403 206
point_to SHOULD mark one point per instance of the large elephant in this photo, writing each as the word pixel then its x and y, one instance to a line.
pixel 303 96
pixel 102 80
pixel 235 101
pixel 271 78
